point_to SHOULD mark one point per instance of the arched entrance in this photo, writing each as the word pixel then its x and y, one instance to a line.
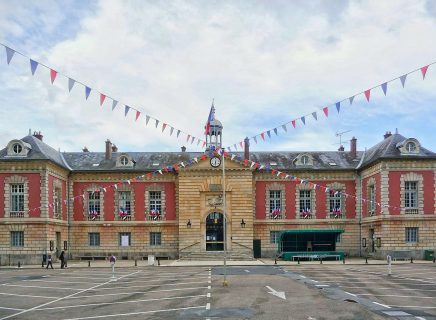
pixel 215 232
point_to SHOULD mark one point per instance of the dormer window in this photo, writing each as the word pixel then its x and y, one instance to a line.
pixel 410 147
pixel 17 148
pixel 305 160
pixel 124 161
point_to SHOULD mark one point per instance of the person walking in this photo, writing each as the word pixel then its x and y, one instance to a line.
pixel 112 261
pixel 49 261
pixel 62 258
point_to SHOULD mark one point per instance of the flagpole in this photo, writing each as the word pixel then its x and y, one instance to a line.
pixel 225 284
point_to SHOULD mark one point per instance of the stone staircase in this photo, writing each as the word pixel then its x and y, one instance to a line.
pixel 216 256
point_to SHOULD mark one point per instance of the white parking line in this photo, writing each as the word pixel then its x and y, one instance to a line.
pixel 136 313
pixel 14 309
pixel 59 299
pixel 121 302
pixel 152 285
pixel 351 294
pixel 394 295
pixel 26 295
pixel 420 318
pixel 136 292
pixel 413 307
pixel 154 275
pixel 387 288
pixel 39 287
pixel 383 305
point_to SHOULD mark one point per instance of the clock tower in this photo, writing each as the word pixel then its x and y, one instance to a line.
pixel 214 134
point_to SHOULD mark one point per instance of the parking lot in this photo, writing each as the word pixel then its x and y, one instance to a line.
pixel 409 293
pixel 306 291
pixel 134 293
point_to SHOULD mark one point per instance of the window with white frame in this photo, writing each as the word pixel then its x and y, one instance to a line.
pixel 305 160
pixel 124 161
pixel 274 237
pixel 17 197
pixel 335 201
pixel 412 234
pixel 410 146
pixel 155 238
pixel 371 199
pixel 17 148
pixel 124 202
pixel 94 239
pixel 155 201
pixel 305 201
pixel 275 201
pixel 94 206
pixel 411 194
pixel 125 239
pixel 57 201
pixel 17 238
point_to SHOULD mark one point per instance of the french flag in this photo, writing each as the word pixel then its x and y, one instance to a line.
pixel 209 119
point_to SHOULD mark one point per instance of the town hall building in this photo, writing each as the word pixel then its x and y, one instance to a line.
pixel 92 204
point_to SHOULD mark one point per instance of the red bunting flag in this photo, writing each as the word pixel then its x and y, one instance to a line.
pixel 102 97
pixel 293 123
pixel 137 115
pixel 240 143
pixel 53 74
pixel 424 71
pixel 204 144
pixel 326 111
pixel 263 136
pixel 367 94
pixel 164 125
pixel 176 167
pixel 273 171
pixel 203 157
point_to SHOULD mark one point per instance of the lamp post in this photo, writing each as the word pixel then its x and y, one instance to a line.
pixel 225 284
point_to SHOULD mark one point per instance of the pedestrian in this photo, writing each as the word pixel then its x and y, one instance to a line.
pixel 49 261
pixel 112 261
pixel 62 258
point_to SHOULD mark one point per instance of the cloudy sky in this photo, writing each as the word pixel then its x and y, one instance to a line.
pixel 264 62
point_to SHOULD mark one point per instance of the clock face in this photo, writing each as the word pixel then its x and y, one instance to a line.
pixel 215 162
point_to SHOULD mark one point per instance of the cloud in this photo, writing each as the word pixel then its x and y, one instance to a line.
pixel 264 65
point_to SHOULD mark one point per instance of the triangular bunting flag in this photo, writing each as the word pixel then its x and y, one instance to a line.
pixel 326 111
pixel 269 133
pixel 157 123
pixel 33 66
pixel 178 132
pixel 285 128
pixel 188 137
pixel 53 74
pixel 71 83
pixel 263 136
pixel 9 54
pixel 192 139
pixel 338 106
pixel 351 99
pixel 255 139
pixel 171 131
pixel 198 142
pixel 204 144
pixel 403 79
pixel 303 119
pixel 138 113
pixel 367 94
pixel 164 125
pixel 87 92
pixel 114 104
pixel 275 131
pixel 240 143
pixel 147 118
pixel 102 97
pixel 126 110
pixel 293 123
pixel 315 115
pixel 384 87
pixel 235 146
pixel 424 71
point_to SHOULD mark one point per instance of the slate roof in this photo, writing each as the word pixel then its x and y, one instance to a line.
pixel 387 149
pixel 39 151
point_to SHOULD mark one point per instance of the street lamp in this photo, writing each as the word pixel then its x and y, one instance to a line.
pixel 188 225
pixel 242 223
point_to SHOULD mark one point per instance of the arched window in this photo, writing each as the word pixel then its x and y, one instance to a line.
pixel 17 148
pixel 410 147
pixel 124 161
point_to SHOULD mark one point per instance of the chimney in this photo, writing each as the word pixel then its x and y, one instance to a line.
pixel 246 148
pixel 341 148
pixel 353 148
pixel 38 135
pixel 387 134
pixel 183 149
pixel 108 155
pixel 85 149
pixel 114 148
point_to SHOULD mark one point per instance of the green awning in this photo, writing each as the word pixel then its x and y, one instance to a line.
pixel 313 231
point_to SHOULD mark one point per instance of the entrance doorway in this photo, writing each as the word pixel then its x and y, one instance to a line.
pixel 215 232
pixel 372 240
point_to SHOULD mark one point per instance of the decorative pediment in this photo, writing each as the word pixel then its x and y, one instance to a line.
pixel 18 148
pixel 409 146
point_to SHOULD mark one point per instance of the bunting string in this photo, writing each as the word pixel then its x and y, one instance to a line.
pixel 72 82
pixel 337 105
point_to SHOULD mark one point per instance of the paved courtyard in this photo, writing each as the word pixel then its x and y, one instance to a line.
pixel 306 291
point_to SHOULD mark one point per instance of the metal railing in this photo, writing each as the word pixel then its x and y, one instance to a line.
pixel 16 214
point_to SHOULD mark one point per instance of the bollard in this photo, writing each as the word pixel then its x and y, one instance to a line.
pixel 298 260
pixel 89 263
pixel 275 260
pixel 19 264
pixel 158 261
pixel 434 259
pixel 411 259
pixel 136 263
pixel 320 260
pixel 343 260
pixel 366 260
pixel 389 260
